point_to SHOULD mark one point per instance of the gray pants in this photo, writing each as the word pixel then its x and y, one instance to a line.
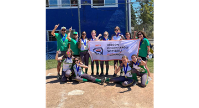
pixel 84 57
pixel 144 76
pixel 86 76
pixel 66 74
pixel 124 81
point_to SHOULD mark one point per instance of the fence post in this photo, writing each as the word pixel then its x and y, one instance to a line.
pixel 79 21
pixel 126 17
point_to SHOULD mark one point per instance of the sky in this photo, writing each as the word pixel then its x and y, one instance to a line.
pixel 135 5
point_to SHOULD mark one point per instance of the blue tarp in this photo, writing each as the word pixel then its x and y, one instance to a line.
pixel 51 48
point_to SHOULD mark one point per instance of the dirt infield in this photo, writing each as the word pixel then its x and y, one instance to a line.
pixel 92 95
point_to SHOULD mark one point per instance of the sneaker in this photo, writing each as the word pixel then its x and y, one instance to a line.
pixel 92 74
pixel 101 74
pixel 58 76
pixel 149 78
pixel 114 75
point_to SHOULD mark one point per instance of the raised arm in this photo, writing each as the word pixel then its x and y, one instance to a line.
pixel 117 69
pixel 53 32
pixel 143 63
pixel 79 44
pixel 68 37
pixel 97 38
pixel 82 65
pixel 134 35
pixel 58 58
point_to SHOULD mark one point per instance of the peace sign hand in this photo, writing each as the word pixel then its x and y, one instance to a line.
pixel 70 29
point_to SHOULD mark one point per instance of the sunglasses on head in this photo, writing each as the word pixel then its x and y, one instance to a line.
pixel 63 30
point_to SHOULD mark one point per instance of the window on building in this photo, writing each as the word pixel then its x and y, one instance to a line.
pixel 61 3
pixel 98 2
pixel 105 3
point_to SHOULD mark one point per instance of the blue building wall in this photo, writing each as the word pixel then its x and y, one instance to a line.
pixel 99 19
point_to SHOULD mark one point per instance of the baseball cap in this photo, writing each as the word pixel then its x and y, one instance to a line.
pixel 63 28
pixel 75 33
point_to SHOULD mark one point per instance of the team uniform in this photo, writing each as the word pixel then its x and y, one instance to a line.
pixel 62 44
pixel 74 47
pixel 143 49
pixel 84 55
pixel 140 71
pixel 128 79
pixel 102 63
pixel 83 77
pixel 67 66
pixel 96 62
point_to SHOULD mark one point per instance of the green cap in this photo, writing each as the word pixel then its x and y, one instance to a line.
pixel 75 33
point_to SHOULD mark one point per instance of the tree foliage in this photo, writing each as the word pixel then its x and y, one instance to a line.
pixel 145 17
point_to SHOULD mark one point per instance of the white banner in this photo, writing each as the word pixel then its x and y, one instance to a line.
pixel 113 50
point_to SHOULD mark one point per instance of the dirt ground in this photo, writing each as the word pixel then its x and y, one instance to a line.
pixel 109 95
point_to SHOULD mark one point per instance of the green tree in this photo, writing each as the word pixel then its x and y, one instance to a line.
pixel 145 17
pixel 146 12
pixel 133 17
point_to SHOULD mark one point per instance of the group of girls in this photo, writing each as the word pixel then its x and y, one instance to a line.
pixel 128 70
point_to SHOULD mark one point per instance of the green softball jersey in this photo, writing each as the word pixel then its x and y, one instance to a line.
pixel 128 74
pixel 74 46
pixel 62 45
pixel 143 48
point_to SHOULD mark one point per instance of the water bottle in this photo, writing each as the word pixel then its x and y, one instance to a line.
pixel 150 56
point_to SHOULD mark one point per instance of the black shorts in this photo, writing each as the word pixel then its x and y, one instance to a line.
pixel 144 58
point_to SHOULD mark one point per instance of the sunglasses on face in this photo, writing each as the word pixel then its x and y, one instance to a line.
pixel 116 29
pixel 76 60
pixel 63 30
pixel 105 35
pixel 83 34
pixel 139 34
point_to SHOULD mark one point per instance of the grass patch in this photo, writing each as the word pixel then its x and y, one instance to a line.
pixel 150 65
pixel 53 64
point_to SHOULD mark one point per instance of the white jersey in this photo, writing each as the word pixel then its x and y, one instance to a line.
pixel 79 72
pixel 116 37
pixel 84 47
pixel 138 68
pixel 92 39
pixel 128 73
pixel 67 63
